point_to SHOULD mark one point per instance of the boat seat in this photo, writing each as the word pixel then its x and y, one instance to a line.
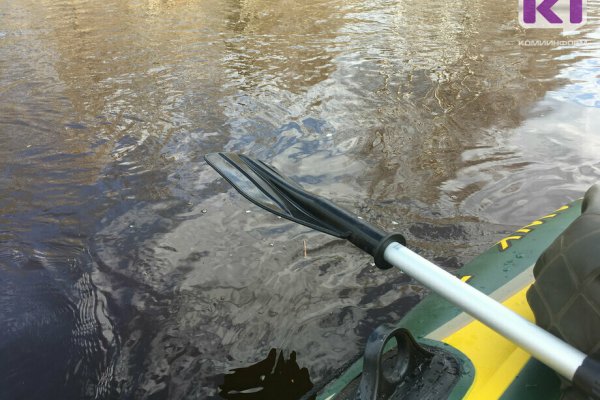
pixel 591 200
pixel 565 297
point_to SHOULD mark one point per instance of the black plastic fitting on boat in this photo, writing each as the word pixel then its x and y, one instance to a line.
pixel 379 382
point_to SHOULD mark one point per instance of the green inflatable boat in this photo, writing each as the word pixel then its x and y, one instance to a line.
pixel 474 336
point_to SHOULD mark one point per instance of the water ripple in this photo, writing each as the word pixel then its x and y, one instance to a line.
pixel 128 268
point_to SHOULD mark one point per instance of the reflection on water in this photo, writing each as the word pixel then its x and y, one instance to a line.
pixel 129 269
pixel 274 378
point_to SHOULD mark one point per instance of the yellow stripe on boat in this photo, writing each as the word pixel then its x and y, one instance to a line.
pixel 497 361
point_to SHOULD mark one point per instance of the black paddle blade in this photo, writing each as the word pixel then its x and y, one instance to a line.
pixel 268 188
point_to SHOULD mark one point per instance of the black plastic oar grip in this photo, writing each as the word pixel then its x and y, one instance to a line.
pixel 363 235
pixel 378 253
pixel 587 377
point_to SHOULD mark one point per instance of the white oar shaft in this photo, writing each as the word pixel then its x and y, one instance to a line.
pixel 547 348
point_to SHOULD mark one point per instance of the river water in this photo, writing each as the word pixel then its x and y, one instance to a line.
pixel 129 269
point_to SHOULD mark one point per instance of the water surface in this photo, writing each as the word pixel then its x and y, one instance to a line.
pixel 129 269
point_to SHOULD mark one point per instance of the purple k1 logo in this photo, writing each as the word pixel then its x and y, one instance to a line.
pixel 565 14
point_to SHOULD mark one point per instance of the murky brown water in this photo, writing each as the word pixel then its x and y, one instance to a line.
pixel 128 269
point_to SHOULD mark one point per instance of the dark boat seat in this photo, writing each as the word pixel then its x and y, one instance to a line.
pixel 565 297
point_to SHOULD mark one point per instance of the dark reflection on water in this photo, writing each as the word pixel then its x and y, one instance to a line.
pixel 129 269
pixel 275 378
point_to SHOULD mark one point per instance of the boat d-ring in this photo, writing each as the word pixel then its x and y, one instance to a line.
pixel 384 370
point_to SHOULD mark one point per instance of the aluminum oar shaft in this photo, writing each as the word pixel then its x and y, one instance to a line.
pixel 547 348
